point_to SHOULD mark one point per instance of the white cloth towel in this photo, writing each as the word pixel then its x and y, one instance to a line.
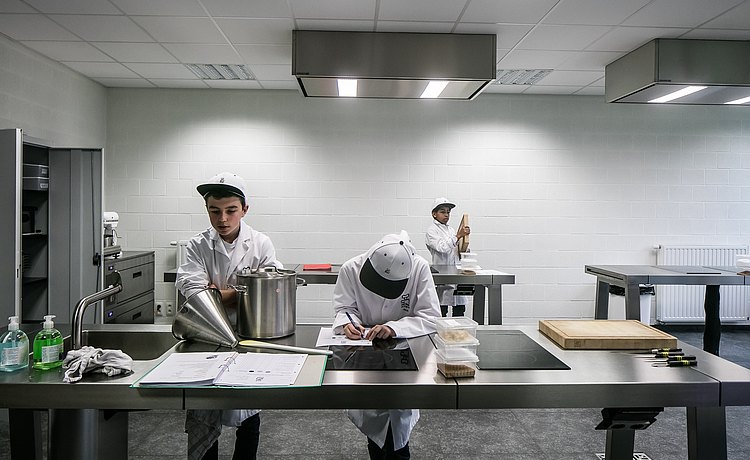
pixel 90 359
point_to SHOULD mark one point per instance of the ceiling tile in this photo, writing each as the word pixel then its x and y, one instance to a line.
pixel 152 70
pixel 333 9
pixel 336 24
pixel 266 54
pixel 180 30
pixel 546 37
pixel 508 35
pixel 233 84
pixel 736 18
pixel 591 91
pixel 101 69
pixel 103 28
pixel 542 89
pixel 32 27
pixel 204 54
pixel 161 7
pixel 272 71
pixel 534 59
pixel 571 77
pixel 716 34
pixel 629 38
pixel 679 13
pixel 68 51
pixel 420 10
pixel 125 82
pixel 507 11
pixel 136 52
pixel 507 89
pixel 243 8
pixel 15 6
pixel 590 60
pixel 74 6
pixel 257 31
pixel 283 84
pixel 178 83
pixel 593 12
pixel 421 27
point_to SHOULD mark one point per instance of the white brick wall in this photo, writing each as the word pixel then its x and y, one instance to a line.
pixel 48 101
pixel 551 182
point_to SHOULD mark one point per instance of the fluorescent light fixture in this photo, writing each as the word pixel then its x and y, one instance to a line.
pixel 433 90
pixel 678 94
pixel 347 87
pixel 744 100
pixel 220 71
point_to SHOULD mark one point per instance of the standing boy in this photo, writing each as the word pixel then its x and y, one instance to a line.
pixel 213 258
pixel 389 289
pixel 442 241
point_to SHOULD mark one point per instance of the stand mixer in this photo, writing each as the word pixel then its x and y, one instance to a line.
pixel 110 220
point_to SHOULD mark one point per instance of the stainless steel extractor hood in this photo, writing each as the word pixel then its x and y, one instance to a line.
pixel 392 65
pixel 688 71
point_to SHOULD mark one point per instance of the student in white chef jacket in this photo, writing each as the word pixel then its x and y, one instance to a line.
pixel 213 258
pixel 389 289
pixel 442 241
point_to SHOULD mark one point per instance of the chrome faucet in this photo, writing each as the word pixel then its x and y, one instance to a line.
pixel 85 302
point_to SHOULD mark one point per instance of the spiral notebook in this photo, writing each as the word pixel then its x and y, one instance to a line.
pixel 228 368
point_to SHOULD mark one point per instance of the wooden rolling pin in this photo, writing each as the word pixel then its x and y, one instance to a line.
pixel 276 346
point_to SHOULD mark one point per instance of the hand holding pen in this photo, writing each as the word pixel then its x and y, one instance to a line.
pixel 356 331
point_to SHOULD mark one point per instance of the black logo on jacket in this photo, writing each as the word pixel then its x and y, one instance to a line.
pixel 405 302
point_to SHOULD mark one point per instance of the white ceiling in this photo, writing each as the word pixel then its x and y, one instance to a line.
pixel 144 43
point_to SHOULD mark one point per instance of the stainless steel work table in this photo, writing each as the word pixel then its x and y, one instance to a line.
pixel 630 277
pixel 603 379
pixel 491 280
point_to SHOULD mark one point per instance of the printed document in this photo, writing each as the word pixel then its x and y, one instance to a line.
pixel 326 338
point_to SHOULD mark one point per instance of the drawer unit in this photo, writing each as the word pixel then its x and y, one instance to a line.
pixel 138 310
pixel 136 272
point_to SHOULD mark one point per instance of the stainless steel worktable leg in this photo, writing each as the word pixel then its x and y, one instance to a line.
pixel 478 309
pixel 495 304
pixel 601 308
pixel 707 433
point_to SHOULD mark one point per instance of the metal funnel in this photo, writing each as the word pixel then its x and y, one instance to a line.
pixel 202 317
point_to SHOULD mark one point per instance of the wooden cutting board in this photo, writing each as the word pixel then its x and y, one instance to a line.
pixel 463 242
pixel 602 334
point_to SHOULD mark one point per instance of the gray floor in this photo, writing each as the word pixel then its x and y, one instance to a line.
pixel 539 434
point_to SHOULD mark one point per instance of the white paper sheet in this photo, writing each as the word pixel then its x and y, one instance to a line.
pixel 199 368
pixel 326 338
pixel 262 369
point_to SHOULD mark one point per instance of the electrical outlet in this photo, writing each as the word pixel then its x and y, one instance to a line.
pixel 158 310
pixel 170 310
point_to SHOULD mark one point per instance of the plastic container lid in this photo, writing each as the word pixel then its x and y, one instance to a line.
pixel 48 323
pixel 469 341
pixel 457 329
pixel 456 355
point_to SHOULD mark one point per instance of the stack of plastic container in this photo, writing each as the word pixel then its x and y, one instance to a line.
pixel 456 344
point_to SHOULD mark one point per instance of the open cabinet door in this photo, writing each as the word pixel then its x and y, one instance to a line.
pixel 10 224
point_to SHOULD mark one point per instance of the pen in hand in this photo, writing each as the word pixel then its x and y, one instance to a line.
pixel 356 328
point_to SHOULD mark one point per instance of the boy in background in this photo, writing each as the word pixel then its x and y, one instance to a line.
pixel 442 241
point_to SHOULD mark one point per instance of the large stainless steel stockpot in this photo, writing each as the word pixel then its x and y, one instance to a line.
pixel 266 302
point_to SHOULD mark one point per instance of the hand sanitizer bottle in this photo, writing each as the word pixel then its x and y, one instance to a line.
pixel 48 346
pixel 14 348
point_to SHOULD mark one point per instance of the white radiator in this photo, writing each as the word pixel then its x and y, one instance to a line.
pixel 684 304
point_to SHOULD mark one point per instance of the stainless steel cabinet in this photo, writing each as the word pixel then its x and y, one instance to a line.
pixel 52 226
pixel 135 303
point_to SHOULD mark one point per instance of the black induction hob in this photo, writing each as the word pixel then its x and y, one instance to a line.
pixel 513 350
pixel 389 355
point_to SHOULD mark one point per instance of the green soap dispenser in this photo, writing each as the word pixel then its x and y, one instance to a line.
pixel 48 346
pixel 14 348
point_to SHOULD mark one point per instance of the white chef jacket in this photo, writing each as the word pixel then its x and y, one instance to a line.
pixel 443 245
pixel 207 262
pixel 410 315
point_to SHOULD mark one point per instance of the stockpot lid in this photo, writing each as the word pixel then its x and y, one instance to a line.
pixel 265 273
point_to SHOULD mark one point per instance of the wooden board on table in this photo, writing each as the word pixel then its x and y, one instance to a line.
pixel 463 242
pixel 602 334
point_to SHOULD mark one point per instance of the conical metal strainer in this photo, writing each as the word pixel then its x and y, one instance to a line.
pixel 202 317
